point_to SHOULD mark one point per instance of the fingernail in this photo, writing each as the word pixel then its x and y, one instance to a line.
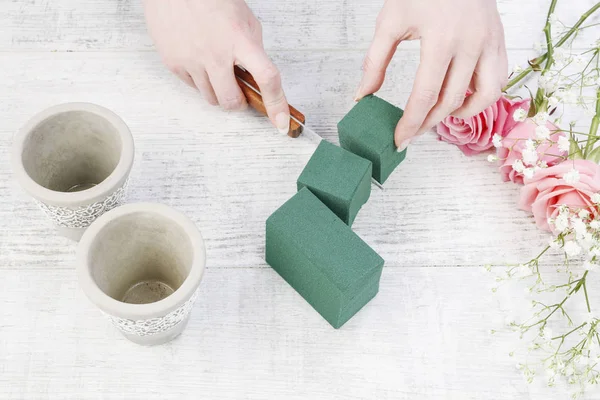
pixel 358 92
pixel 282 121
pixel 403 146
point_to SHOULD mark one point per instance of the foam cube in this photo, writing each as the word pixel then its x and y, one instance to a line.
pixel 320 256
pixel 368 131
pixel 340 179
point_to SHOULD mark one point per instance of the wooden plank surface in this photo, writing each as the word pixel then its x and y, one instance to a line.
pixel 441 217
pixel 424 336
pixel 299 25
pixel 229 171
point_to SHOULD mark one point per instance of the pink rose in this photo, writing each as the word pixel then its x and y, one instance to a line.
pixel 474 135
pixel 547 190
pixel 514 144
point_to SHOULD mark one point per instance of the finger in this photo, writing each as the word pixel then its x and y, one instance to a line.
pixel 256 61
pixel 185 77
pixel 226 88
pixel 453 92
pixel 200 80
pixel 376 61
pixel 428 82
pixel 487 84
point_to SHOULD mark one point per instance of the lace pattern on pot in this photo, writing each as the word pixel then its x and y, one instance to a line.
pixel 152 326
pixel 82 217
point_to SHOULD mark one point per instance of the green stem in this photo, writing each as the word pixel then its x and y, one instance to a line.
pixel 540 101
pixel 593 135
pixel 587 301
pixel 568 333
pixel 561 41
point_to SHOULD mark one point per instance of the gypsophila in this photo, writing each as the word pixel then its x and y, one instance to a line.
pixel 520 115
pixel 540 118
pixel 542 132
pixel 518 166
pixel 528 173
pixel 497 140
pixel 566 79
pixel 563 143
pixel 492 158
pixel 571 177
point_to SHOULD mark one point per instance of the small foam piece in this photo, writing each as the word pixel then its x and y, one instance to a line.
pixel 335 271
pixel 340 179
pixel 368 131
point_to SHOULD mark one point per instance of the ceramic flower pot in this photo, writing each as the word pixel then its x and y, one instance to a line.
pixel 141 264
pixel 74 160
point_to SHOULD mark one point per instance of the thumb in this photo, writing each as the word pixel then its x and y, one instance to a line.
pixel 376 62
pixel 254 58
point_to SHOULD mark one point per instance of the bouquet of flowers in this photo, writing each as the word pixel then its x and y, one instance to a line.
pixel 557 165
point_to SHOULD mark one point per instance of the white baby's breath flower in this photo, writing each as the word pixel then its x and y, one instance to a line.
pixel 595 224
pixel 518 166
pixel 583 214
pixel 553 101
pixel 572 249
pixel 553 243
pixel 571 177
pixel 530 157
pixel 492 158
pixel 497 140
pixel 540 118
pixel 595 198
pixel 561 223
pixel 579 226
pixel 563 143
pixel 530 145
pixel 542 132
pixel 520 115
pixel 549 82
pixel 528 173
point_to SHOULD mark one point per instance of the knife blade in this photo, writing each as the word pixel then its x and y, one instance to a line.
pixel 297 120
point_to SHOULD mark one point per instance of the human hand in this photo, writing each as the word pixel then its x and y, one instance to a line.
pixel 462 47
pixel 200 41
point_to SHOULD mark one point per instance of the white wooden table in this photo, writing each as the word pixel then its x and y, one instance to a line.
pixel 441 217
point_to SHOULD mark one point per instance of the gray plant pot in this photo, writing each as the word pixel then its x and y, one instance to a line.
pixel 74 160
pixel 142 264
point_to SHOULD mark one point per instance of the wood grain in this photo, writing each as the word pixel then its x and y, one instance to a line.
pixel 229 171
pixel 252 337
pixel 69 25
pixel 440 217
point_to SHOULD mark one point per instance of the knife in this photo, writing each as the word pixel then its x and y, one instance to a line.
pixel 297 120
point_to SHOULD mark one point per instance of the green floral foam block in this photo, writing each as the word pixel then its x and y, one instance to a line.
pixel 368 131
pixel 340 179
pixel 322 258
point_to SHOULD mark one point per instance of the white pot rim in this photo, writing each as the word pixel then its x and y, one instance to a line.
pixel 159 308
pixel 73 199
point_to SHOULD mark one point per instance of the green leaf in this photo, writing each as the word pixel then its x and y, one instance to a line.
pixel 594 155
pixel 575 150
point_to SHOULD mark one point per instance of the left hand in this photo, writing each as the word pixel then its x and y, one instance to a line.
pixel 462 47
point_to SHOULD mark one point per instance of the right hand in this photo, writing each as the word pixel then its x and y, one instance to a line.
pixel 201 40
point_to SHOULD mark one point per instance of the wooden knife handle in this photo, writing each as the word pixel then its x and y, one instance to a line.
pixel 255 100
